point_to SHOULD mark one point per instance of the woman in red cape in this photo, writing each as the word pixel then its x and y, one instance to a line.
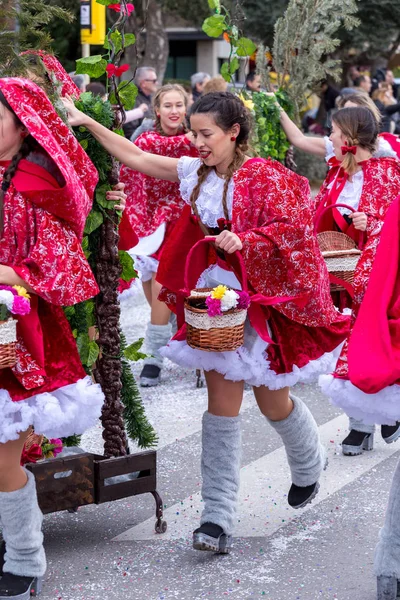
pixel 153 208
pixel 369 185
pixel 262 210
pixel 44 206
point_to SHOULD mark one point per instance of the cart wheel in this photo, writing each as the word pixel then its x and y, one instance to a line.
pixel 160 526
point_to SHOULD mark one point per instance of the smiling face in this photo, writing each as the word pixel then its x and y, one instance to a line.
pixel 338 140
pixel 215 145
pixel 172 112
pixel 10 134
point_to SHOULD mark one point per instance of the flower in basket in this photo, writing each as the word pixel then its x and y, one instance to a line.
pixel 38 447
pixel 14 300
pixel 223 299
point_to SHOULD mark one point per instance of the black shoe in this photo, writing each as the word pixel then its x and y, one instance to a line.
pixel 150 376
pixel 391 433
pixel 300 496
pixel 18 587
pixel 356 442
pixel 211 538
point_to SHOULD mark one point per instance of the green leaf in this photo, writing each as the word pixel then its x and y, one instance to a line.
pixel 105 2
pixel 93 222
pixel 83 342
pixel 69 311
pixel 129 39
pixel 245 47
pixel 85 243
pixel 84 144
pixel 93 353
pixel 225 72
pixel 94 66
pixel 116 39
pixel 215 26
pixel 127 94
pixel 132 352
pixel 234 66
pixel 212 4
pixel 101 196
pixel 127 264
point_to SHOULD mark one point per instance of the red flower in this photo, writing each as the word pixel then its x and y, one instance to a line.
pixel 117 8
pixel 32 455
pixel 117 71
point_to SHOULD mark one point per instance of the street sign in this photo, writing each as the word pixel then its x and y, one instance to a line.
pixel 93 23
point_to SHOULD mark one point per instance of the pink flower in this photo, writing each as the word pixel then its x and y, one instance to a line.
pixel 117 7
pixel 213 306
pixel 21 306
pixel 9 288
pixel 244 300
pixel 58 446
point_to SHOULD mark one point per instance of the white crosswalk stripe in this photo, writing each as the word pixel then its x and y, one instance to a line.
pixel 263 508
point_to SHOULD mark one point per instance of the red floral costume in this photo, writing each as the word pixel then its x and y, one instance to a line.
pixel 152 204
pixel 381 185
pixel 43 228
pixel 271 212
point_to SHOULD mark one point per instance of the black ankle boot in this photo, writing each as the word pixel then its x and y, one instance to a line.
pixel 300 496
pixel 356 442
pixel 391 433
pixel 2 556
pixel 150 376
pixel 388 588
pixel 18 587
pixel 211 538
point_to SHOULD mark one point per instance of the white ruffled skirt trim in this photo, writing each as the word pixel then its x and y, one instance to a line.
pixel 248 364
pixel 68 410
pixel 382 408
pixel 145 266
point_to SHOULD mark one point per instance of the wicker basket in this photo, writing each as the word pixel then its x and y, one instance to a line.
pixel 340 253
pixel 8 339
pixel 222 333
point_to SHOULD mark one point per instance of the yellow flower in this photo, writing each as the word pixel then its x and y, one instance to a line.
pixel 247 102
pixel 21 291
pixel 218 292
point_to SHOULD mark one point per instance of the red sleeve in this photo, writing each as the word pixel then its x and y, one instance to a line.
pixel 56 267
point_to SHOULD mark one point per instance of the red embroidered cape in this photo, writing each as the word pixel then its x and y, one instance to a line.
pixel 151 202
pixel 56 72
pixel 374 350
pixel 272 215
pixel 381 186
pixel 43 227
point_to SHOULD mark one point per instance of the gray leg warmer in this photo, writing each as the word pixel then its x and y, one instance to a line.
pixel 156 337
pixel 220 469
pixel 22 531
pixel 387 553
pixel 300 435
pixel 360 426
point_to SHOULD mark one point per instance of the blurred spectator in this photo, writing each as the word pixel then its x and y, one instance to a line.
pixel 389 78
pixel 79 81
pixel 352 74
pixel 146 81
pixel 363 83
pixel 387 105
pixel 97 88
pixel 253 82
pixel 198 81
pixel 216 84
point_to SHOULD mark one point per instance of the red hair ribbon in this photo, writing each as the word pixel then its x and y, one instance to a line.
pixel 346 149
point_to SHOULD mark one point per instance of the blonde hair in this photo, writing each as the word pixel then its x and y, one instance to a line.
pixel 381 94
pixel 216 84
pixel 360 128
pixel 158 96
pixel 361 99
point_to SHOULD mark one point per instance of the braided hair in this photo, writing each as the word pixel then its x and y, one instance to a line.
pixel 27 146
pixel 227 110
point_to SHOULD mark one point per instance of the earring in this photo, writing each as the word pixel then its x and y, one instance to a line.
pixel 233 139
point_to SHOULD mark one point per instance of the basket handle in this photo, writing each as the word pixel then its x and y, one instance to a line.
pixel 234 260
pixel 331 207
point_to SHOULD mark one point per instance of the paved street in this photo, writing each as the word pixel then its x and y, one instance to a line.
pixel 323 552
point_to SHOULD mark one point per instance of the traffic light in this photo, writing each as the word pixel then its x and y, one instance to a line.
pixel 93 23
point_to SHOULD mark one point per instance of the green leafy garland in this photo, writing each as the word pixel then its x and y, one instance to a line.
pixel 269 139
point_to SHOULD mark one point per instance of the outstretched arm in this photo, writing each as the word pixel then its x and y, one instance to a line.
pixel 310 144
pixel 127 153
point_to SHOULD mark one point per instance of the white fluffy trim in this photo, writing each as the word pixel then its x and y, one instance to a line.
pixel 70 409
pixel 145 266
pixel 382 408
pixel 133 290
pixel 251 366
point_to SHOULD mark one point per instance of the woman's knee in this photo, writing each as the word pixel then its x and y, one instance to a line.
pixel 224 396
